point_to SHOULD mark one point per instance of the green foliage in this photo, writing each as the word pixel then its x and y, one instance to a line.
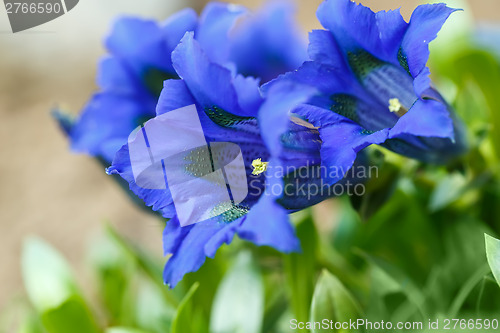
pixel 493 255
pixel 300 270
pixel 185 320
pixel 333 301
pixel 53 291
pixel 239 302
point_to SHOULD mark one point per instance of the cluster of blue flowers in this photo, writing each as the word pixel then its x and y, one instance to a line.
pixel 362 80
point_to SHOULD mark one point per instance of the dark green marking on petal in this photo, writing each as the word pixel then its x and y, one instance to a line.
pixel 363 63
pixel 198 162
pixel 226 119
pixel 403 61
pixel 367 132
pixel 232 214
pixel 344 105
pixel 153 79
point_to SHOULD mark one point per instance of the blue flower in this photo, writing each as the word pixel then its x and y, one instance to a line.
pixel 269 43
pixel 370 70
pixel 130 78
pixel 231 109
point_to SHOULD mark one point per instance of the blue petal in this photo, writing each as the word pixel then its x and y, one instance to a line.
pixel 355 26
pixel 113 75
pixel 175 27
pixel 422 82
pixel 341 145
pixel 326 79
pixel 342 93
pixel 159 200
pixel 174 95
pixel 425 23
pixel 213 31
pixel 105 124
pixel 323 78
pixel 274 115
pixel 268 43
pixel 191 245
pixel 324 49
pixel 209 83
pixel 428 118
pixel 140 44
pixel 267 223
pixel 247 89
pixel 342 140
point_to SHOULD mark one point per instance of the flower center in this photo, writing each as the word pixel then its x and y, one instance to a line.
pixel 396 107
pixel 259 166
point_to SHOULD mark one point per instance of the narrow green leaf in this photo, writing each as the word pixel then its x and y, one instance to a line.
pixel 300 270
pixel 386 280
pixel 466 290
pixel 333 301
pixel 152 312
pixel 239 301
pixel 53 291
pixel 493 255
pixel 185 319
pixel 113 269
pixel 147 264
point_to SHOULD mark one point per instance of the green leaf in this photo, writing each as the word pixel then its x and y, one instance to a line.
pixel 209 277
pixel 333 301
pixel 347 229
pixel 53 291
pixel 403 224
pixel 276 305
pixel 448 191
pixel 388 281
pixel 47 277
pixel 31 324
pixel 152 312
pixel 493 255
pixel 147 264
pixel 239 302
pixel 483 68
pixel 300 270
pixel 187 320
pixel 466 289
pixel 113 269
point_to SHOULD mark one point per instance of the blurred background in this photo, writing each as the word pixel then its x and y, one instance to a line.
pixel 65 198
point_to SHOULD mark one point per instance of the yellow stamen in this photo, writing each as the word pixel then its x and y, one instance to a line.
pixel 394 105
pixel 259 166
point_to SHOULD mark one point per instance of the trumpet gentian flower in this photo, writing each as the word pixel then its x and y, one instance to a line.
pixel 268 44
pixel 228 108
pixel 130 78
pixel 370 69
